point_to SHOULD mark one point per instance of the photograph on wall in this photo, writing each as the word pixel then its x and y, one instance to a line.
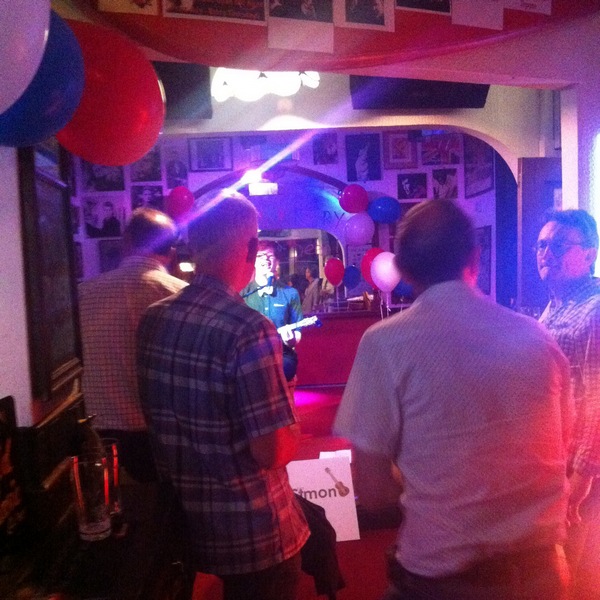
pixel 399 150
pixel 484 241
pixel 412 186
pixel 136 7
pixel 147 168
pixel 98 178
pixel 441 149
pixel 250 11
pixel 479 166
pixel 147 195
pixel 210 154
pixel 365 14
pixel 438 6
pixel 305 10
pixel 103 216
pixel 176 168
pixel 445 186
pixel 363 159
pixel 325 148
pixel 110 253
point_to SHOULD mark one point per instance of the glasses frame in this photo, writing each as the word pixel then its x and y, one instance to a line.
pixel 558 248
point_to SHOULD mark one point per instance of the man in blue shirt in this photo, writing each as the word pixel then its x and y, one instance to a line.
pixel 276 301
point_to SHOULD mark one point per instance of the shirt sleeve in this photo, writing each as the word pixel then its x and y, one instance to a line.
pixel 295 306
pixel 587 453
pixel 264 400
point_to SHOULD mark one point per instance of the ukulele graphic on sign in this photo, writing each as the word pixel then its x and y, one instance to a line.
pixel 339 486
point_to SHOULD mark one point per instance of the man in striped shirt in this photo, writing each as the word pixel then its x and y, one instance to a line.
pixel 566 250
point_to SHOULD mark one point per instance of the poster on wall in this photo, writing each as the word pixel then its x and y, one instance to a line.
pixel 103 216
pixel 365 14
pixel 176 167
pixel 445 186
pixel 136 7
pixel 412 186
pixel 438 6
pixel 147 195
pixel 147 168
pixel 99 178
pixel 325 148
pixel 363 159
pixel 399 150
pixel 479 166
pixel 441 149
pixel 249 11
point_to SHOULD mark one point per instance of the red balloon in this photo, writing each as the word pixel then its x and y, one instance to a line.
pixel 178 203
pixel 354 198
pixel 122 109
pixel 334 271
pixel 365 264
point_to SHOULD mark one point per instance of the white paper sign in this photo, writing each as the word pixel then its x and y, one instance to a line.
pixel 328 483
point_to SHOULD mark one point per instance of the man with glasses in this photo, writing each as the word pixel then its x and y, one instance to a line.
pixel 566 251
pixel 276 301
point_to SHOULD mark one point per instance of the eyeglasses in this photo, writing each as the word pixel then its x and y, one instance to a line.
pixel 557 247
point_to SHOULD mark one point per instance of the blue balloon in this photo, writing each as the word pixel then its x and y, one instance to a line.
pixel 351 277
pixel 403 290
pixel 53 95
pixel 384 210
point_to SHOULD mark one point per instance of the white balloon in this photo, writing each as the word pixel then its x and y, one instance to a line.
pixel 384 272
pixel 24 27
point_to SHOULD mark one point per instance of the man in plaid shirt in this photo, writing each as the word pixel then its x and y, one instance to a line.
pixel 566 250
pixel 221 415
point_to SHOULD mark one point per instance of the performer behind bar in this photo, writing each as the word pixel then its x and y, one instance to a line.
pixel 276 301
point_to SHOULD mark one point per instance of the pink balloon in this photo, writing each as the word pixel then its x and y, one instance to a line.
pixel 334 271
pixel 179 202
pixel 384 271
pixel 366 262
pixel 359 229
pixel 354 198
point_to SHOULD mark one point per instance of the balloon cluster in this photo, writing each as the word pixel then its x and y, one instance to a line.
pixel 88 85
pixel 377 267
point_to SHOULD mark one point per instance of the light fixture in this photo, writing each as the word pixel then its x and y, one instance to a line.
pixel 250 86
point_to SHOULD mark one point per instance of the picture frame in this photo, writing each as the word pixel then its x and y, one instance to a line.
pixel 412 186
pixel 437 6
pixel 147 168
pixel 363 157
pixel 441 149
pixel 479 166
pixel 399 150
pixel 210 154
pixel 325 148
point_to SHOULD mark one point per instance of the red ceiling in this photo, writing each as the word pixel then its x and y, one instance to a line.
pixel 418 34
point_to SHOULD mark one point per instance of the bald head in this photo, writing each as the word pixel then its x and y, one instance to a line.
pixel 149 231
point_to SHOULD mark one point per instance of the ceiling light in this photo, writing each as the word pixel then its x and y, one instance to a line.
pixel 250 86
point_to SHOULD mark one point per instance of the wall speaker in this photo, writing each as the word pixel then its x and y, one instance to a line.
pixel 187 89
pixel 390 93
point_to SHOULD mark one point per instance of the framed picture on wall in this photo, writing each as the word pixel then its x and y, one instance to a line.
pixel 325 149
pixel 363 158
pixel 147 168
pixel 412 186
pixel 210 154
pixel 441 149
pixel 399 150
pixel 479 166
pixel 110 253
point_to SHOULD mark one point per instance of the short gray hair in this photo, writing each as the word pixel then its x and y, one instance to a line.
pixel 221 223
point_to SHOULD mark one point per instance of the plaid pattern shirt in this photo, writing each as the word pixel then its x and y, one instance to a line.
pixel 110 307
pixel 211 379
pixel 575 324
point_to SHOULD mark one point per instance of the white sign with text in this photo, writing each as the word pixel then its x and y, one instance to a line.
pixel 328 483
